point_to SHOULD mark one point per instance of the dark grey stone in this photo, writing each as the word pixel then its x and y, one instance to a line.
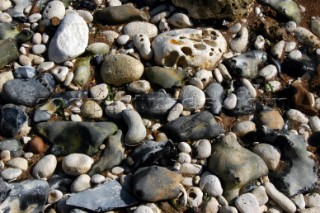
pixel 47 80
pixel 194 127
pixel 13 145
pixel 70 96
pixel 29 194
pixel 154 105
pixel 245 103
pixel 4 190
pixel 27 92
pixel 215 96
pixel 25 72
pixel 60 182
pixel 104 197
pixel 12 119
pixel 41 116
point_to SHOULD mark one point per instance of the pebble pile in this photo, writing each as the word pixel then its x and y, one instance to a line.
pixel 159 106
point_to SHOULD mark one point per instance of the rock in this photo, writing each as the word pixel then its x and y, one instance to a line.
pixel 295 54
pixel 123 39
pixel 195 196
pixel 215 9
pixel 93 199
pixel 70 137
pixel 29 195
pixel 99 92
pixel 143 209
pixel 120 15
pixel 285 203
pixel 296 115
pixel 86 15
pixel 194 127
pixel 13 145
pixel 247 203
pixel 45 167
pixel 192 98
pixel 184 147
pixel 114 110
pixel 165 77
pixel 39 49
pixel 97 179
pixel 91 110
pixel 138 28
pixel 24 72
pixel 271 119
pixel 177 48
pixel 10 174
pixel 314 122
pixel 47 81
pixel 27 92
pixel 4 190
pixel 154 105
pixel 203 149
pixel 70 39
pixel 76 164
pixel 4 77
pixel 36 145
pixel 303 100
pixel 155 183
pixel 136 129
pixel 300 172
pixel 211 206
pixel 245 103
pixel 112 156
pixel 278 49
pixel 315 26
pixel 191 169
pixel 5 5
pixel 261 195
pixel 54 9
pixel 175 112
pixel 180 20
pixel 270 154
pixel 215 95
pixel 98 48
pixel 121 69
pixel 306 37
pixel 82 71
pixel 19 163
pixel 247 64
pixel 81 183
pixel 210 184
pixel 240 41
pixel 54 196
pixel 139 87
pixel 243 128
pixel 268 72
pixel 13 118
pixel 287 8
pixel 10 52
pixel 18 10
pixel 236 165
pixel 184 158
pixel 312 200
pixel 230 102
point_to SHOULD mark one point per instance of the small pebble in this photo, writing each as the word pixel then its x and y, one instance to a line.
pixel 81 183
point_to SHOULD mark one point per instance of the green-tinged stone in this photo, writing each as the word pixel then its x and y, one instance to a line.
pixel 82 72
pixel 9 52
pixel 165 77
pixel 98 48
pixel 8 30
pixel 75 137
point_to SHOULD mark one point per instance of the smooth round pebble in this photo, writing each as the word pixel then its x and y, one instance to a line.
pixel 123 39
pixel 139 87
pixel 192 98
pixel 5 18
pixel 19 163
pixel 5 4
pixel 268 72
pixel 76 164
pixel 270 154
pixel 11 173
pixel 184 147
pixel 247 203
pixel 184 158
pixel 290 26
pixel 203 149
pixel 143 209
pixel 230 102
pixel 39 49
pixel 54 196
pixel 114 109
pixel 259 42
pixel 97 179
pixel 195 196
pixel 138 27
pixel 296 115
pixel 210 184
pixel 45 167
pixel 91 109
pixel 312 200
pixel 81 183
pixel 295 54
pixel 261 195
pixel 54 9
pixel 5 155
pixel 244 127
pixel 99 92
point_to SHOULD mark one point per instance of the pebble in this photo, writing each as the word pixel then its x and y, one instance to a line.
pixel 277 49
pixel 5 155
pixel 5 18
pixel 271 119
pixel 259 42
pixel 110 35
pixel 270 154
pixel 195 196
pixel 247 203
pixel 306 37
pixel 175 112
pixel 35 17
pixel 243 128
pixel 91 109
pixel 54 9
pixel 290 26
pixel 230 102
pixel 4 77
pixel 45 66
pixel 210 184
pixel 39 49
pixel 268 72
pixel 60 73
pixel 81 183
pixel 184 158
pixel 99 92
pixel 312 200
pixel 123 39
pixel 261 195
pixel 180 20
pixel 296 115
pixel 86 15
pixel 136 130
pixel 240 41
pixel 139 87
pixel 143 45
pixel 36 145
pixel 299 201
pixel 25 60
pixel 190 169
pixel 138 27
pixel 203 148
pixel 97 179
pixel 205 76
pixel 249 87
pixel 5 5
pixel 211 206
pixel 290 46
pixel 76 164
pixel 115 109
pixel 192 98
pixel 98 48
pixel 54 196
pixel 37 38
pixel 285 203
pixel 314 122
pixel 19 163
pixel 45 167
pixel 295 55
pixel 114 3
pixel 184 147
pixel 11 173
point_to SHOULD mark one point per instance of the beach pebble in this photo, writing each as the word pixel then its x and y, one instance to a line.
pixel 139 87
pixel 138 27
pixel 76 164
pixel 99 92
pixel 195 196
pixel 37 38
pixel 136 130
pixel 261 195
pixel 202 148
pixel 5 18
pixel 143 45
pixel 110 35
pixel 114 109
pixel 259 42
pixel 299 201
pixel 5 5
pixel 291 45
pixel 250 87
pixel 54 196
pixel 240 42
pixel 54 9
pixel 35 17
pixel 192 98
pixel 11 173
pixel 278 48
pixel 184 147
pixel 210 184
pixel 91 109
pixel 123 39
pixel 180 20
pixel 296 115
pixel 243 128
pixel 19 163
pixel 230 102
pixel 270 154
pixel 190 169
pixel 81 183
pixel 314 122
pixel 86 15
pixel 312 200
pixel 60 73
pixel 268 72
pixel 290 26
pixel 295 55
pixel 175 112
pixel 143 209
pixel 247 203
pixel 184 158
pixel 39 49
pixel 97 179
pixel 45 167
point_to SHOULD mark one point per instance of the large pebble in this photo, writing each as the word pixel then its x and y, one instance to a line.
pixel 315 123
pixel 19 163
pixel 261 195
pixel 203 149
pixel 76 164
pixel 312 200
pixel 45 167
pixel 270 154
pixel 91 109
pixel 180 20
pixel 306 37
pixel 296 115
pixel 136 130
pixel 210 184
pixel 140 87
pixel 4 77
pixel 81 183
pixel 243 128
pixel 192 98
pixel 240 42
pixel 11 173
pixel 5 4
pixel 272 119
pixel 54 9
pixel 268 72
pixel 143 45
pixel 138 27
pixel 195 196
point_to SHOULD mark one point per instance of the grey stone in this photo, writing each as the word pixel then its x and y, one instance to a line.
pixel 247 203
pixel 12 119
pixel 25 92
pixel 245 103
pixel 25 72
pixel 136 129
pixel 192 98
pixel 96 200
pixel 194 127
pixel 4 190
pixel 13 145
pixel 215 95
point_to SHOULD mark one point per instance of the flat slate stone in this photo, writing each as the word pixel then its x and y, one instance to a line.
pixel 105 197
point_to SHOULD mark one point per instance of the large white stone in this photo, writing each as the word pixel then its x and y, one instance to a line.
pixel 189 47
pixel 70 39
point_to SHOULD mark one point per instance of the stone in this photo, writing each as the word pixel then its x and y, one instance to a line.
pixel 268 72
pixel 156 183
pixel 138 28
pixel 177 48
pixel 192 98
pixel 27 92
pixel 295 54
pixel 194 127
pixel 234 165
pixel 195 196
pixel 86 15
pixel 70 137
pixel 123 39
pixel 45 167
pixel 154 105
pixel 165 77
pixel 121 69
pixel 97 179
pixel 34 18
pixel 4 190
pixel 10 174
pixel 306 37
pixel 240 41
pixel 93 199
pixel 314 122
pixel 175 112
pixel 76 164
pixel 184 158
pixel 303 100
pixel 230 102
pixel 36 145
pixel 203 149
pixel 271 119
pixel 99 92
pixel 70 39
pixel 247 64
pixel 19 6
pixel 112 155
pixel 54 196
pixel 191 169
pixel 81 183
pixel 136 129
pixel 298 116
pixel 24 72
pixel 5 77
pixel 284 202
pixel 315 26
pixel 261 195
pixel 215 96
pixel 114 110
pixel 180 20
pixel 120 15
pixel 210 184
pixel 5 18
pixel 19 163
pixel 277 50
pixel 270 154
pixel 82 73
pixel 13 145
pixel 91 110
pixel 12 120
pixel 247 203
pixel 39 49
pixel 215 9
pixel 139 87
pixel 98 48
pixel 29 195
pixel 5 5
pixel 244 127
pixel 312 200
pixel 245 103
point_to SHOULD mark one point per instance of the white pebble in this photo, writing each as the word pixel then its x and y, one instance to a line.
pixel 184 158
pixel 5 155
pixel 39 49
pixel 195 196
pixel 184 147
pixel 295 54
pixel 99 92
pixel 123 39
pixel 291 45
pixel 210 184
pixel 54 196
pixel 277 49
pixel 11 173
pixel 290 26
pixel 35 17
pixel 230 102
pixel 296 115
pixel 180 20
pixel 259 42
pixel 203 148
pixel 315 123
pixel 45 167
pixel 97 179
pixel 81 183
pixel 60 73
pixel 5 18
pixel 76 164
pixel 19 163
pixel 250 87
pixel 268 72
pixel 247 203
